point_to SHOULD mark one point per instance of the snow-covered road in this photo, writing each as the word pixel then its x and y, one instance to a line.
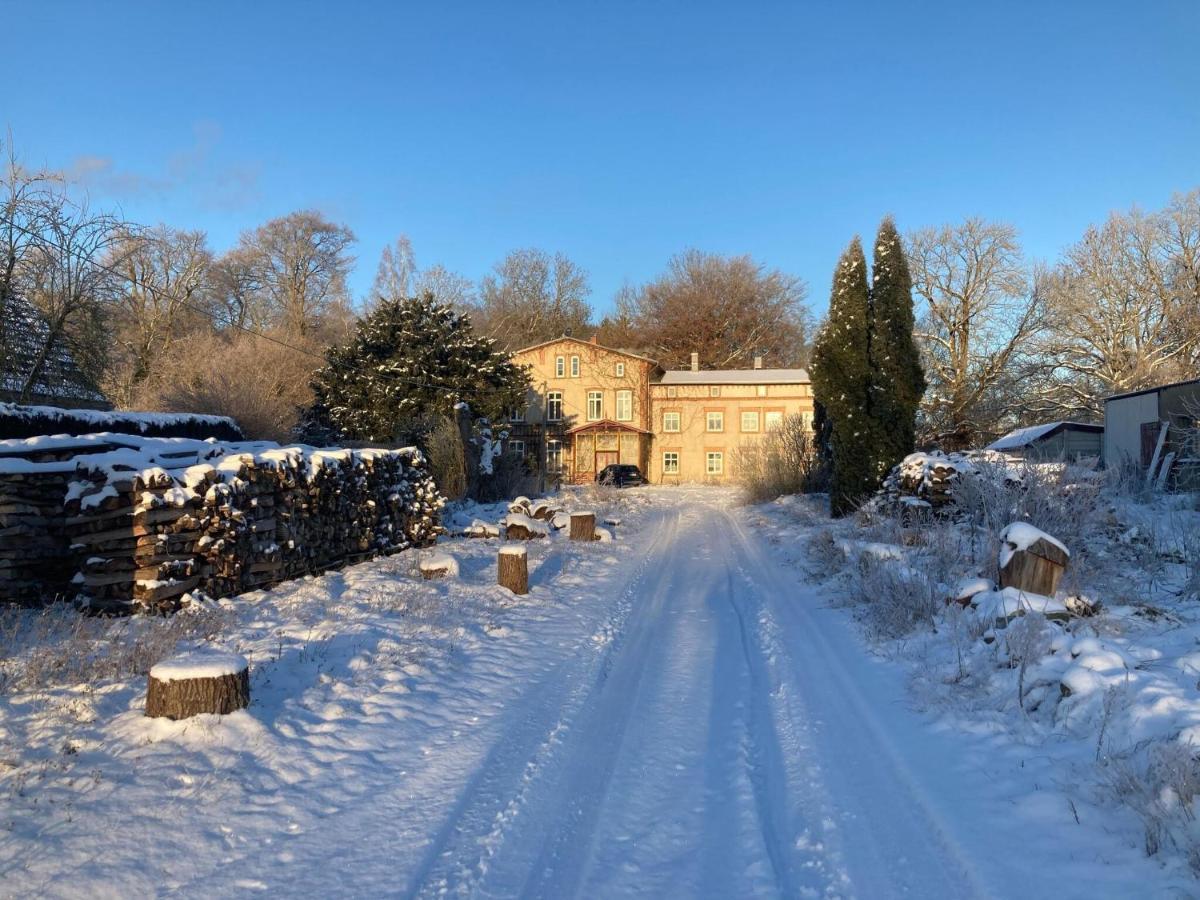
pixel 676 714
pixel 715 748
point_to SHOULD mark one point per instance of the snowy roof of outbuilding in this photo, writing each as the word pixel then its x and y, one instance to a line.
pixel 736 376
pixel 1023 437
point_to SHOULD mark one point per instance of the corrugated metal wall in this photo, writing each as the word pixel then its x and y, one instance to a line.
pixel 1123 418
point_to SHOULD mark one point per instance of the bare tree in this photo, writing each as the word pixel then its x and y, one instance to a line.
pixel 64 276
pixel 397 272
pixel 296 268
pixel 445 286
pixel 728 309
pixel 234 292
pixel 532 297
pixel 1123 306
pixel 977 316
pixel 164 273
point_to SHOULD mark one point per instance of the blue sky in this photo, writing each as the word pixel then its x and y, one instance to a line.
pixel 618 133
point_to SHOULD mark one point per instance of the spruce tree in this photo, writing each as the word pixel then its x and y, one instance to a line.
pixel 409 361
pixel 841 376
pixel 898 381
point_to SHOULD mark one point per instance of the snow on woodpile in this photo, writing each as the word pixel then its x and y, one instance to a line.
pixel 30 421
pixel 129 521
pixel 925 480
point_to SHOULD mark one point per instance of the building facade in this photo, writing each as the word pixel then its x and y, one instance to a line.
pixel 591 406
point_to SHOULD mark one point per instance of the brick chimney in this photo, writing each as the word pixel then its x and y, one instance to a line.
pixel 695 362
pixel 594 341
pixel 758 362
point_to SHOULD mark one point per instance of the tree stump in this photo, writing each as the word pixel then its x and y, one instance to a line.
pixel 512 569
pixel 438 565
pixel 205 681
pixel 519 527
pixel 583 526
pixel 1031 560
pixel 543 511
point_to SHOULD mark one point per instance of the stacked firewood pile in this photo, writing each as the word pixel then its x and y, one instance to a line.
pixel 31 551
pixel 924 480
pixel 141 527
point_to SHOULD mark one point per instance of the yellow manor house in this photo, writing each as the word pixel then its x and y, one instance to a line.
pixel 592 406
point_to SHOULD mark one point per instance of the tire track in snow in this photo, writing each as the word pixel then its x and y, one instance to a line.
pixel 491 805
pixel 898 845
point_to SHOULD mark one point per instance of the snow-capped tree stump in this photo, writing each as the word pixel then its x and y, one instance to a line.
pixel 520 527
pixel 202 682
pixel 438 565
pixel 583 526
pixel 1031 560
pixel 543 511
pixel 512 569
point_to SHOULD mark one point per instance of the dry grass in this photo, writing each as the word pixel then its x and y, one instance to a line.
pixel 59 646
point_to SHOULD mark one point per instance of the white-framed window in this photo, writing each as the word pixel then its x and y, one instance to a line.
pixel 714 462
pixel 773 419
pixel 671 421
pixel 714 391
pixel 554 406
pixel 595 407
pixel 672 393
pixel 516 414
pixel 620 370
pixel 516 448
pixel 624 406
pixel 749 420
pixel 553 456
pixel 560 366
pixel 761 390
pixel 671 462
pixel 714 421
pixel 574 366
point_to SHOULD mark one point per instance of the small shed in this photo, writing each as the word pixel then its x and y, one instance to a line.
pixel 1070 441
pixel 1145 429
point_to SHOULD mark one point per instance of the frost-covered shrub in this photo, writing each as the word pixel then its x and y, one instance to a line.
pixel 825 553
pixel 783 461
pixel 1160 784
pixel 1065 501
pixel 894 599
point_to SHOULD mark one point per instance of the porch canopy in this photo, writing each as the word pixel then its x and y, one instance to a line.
pixel 594 445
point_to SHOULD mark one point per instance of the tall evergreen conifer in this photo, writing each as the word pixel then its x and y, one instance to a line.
pixel 898 381
pixel 841 375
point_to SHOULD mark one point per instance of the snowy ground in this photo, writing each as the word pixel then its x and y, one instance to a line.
pixel 681 712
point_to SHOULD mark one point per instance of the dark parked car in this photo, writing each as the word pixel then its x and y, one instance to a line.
pixel 620 476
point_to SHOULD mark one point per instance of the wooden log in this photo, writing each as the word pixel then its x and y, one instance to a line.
pixel 512 569
pixel 1030 560
pixel 196 683
pixel 583 526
